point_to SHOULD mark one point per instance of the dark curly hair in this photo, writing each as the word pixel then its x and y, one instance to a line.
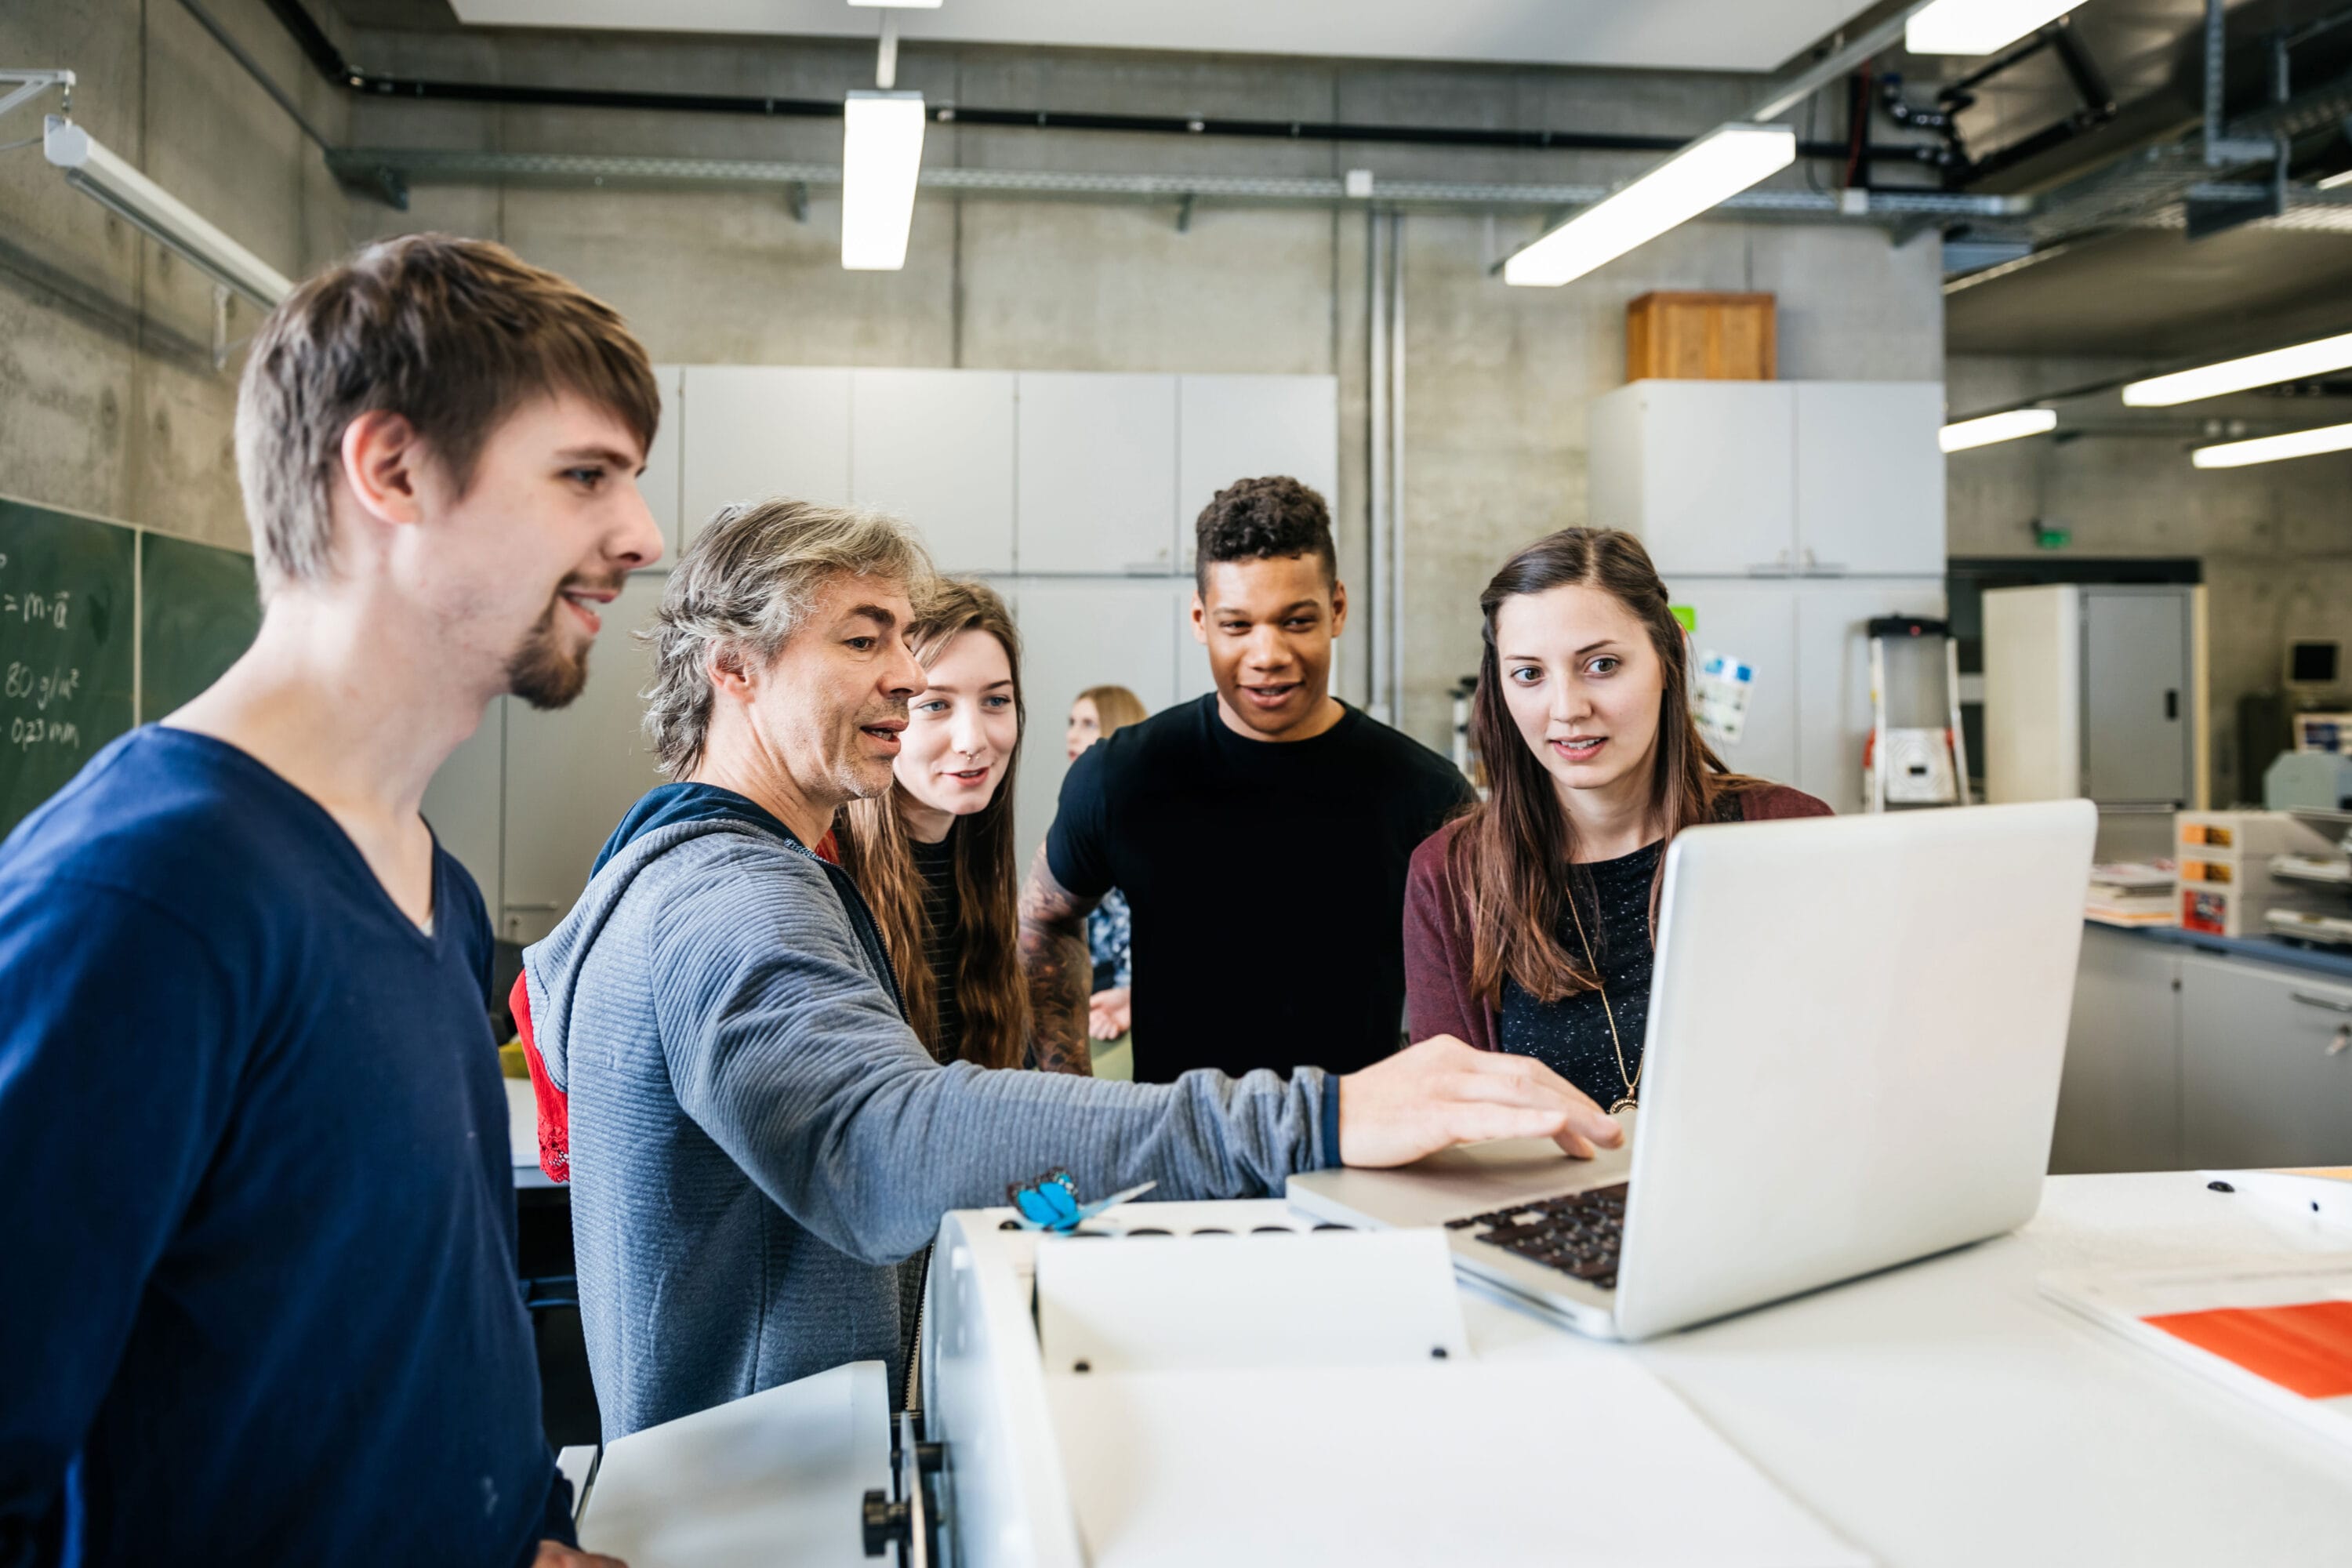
pixel 1259 520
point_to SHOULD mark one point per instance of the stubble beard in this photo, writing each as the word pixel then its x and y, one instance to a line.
pixel 542 670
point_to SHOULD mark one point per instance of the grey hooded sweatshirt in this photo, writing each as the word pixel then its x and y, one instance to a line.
pixel 757 1137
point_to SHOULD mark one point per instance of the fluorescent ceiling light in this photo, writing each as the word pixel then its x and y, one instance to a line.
pixel 2272 448
pixel 881 154
pixel 1993 428
pixel 1720 164
pixel 155 212
pixel 1978 26
pixel 2243 374
pixel 2333 181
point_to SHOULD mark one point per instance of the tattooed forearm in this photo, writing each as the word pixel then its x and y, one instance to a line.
pixel 1053 958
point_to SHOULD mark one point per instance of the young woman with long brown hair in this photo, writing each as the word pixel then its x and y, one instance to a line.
pixel 1530 921
pixel 934 856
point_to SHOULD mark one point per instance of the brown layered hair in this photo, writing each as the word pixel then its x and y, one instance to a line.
pixel 875 851
pixel 452 335
pixel 1513 858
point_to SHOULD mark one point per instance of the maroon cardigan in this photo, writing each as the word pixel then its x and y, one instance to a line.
pixel 1438 998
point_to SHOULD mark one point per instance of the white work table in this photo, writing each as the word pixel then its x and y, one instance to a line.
pixel 1943 1414
pixel 1948 1414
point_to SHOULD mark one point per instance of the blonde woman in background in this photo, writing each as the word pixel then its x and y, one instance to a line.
pixel 934 857
pixel 1098 711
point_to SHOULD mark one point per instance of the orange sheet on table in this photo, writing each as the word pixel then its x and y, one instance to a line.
pixel 2306 1349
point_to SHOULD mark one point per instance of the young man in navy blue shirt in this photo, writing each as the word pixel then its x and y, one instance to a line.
pixel 262 1304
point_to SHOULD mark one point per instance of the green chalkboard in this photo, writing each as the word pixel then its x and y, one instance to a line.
pixel 199 609
pixel 66 598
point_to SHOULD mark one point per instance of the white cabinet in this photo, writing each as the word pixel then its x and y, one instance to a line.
pixel 934 447
pixel 2119 1098
pixel 2264 1079
pixel 1075 635
pixel 1833 669
pixel 1233 427
pixel 664 472
pixel 1097 473
pixel 1731 478
pixel 1702 472
pixel 752 432
pixel 1754 622
pixel 466 804
pixel 570 775
pixel 1869 478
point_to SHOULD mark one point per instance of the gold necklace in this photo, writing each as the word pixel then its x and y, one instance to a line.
pixel 1627 1100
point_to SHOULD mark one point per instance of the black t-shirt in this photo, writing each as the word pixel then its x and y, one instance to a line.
pixel 1571 1035
pixel 943 947
pixel 1265 881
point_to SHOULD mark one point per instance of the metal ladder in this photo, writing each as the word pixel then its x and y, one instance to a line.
pixel 1911 766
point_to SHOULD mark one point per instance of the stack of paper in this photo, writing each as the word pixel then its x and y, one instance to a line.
pixel 2133 893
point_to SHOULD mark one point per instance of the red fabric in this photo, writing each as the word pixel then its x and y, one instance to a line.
pixel 1438 998
pixel 554 1110
pixel 828 849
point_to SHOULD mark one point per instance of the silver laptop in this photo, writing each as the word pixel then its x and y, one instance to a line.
pixel 1855 1030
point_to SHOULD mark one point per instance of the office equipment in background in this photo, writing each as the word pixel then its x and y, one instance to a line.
pixel 2279 1333
pixel 2229 879
pixel 1244 1389
pixel 2312 666
pixel 1924 760
pixel 2308 781
pixel 2096 691
pixel 2322 731
pixel 1785 515
pixel 1914 1018
pixel 78 596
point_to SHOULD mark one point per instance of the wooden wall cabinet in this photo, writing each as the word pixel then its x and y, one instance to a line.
pixel 1683 336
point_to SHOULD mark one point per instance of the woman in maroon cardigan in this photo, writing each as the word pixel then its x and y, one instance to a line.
pixel 1529 922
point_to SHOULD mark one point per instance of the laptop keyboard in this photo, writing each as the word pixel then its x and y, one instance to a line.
pixel 1579 1233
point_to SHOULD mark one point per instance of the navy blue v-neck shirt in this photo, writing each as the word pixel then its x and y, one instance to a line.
pixel 261 1301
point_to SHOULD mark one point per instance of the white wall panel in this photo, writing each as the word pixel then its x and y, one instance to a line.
pixel 1097 473
pixel 936 446
pixel 1233 427
pixel 664 472
pixel 756 431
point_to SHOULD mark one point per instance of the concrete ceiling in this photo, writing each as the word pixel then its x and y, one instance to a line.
pixel 2154 294
pixel 1666 35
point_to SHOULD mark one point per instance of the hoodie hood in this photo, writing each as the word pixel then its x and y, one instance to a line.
pixel 552 966
pixel 675 802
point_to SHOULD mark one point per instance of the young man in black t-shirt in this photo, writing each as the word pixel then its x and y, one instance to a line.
pixel 1261 834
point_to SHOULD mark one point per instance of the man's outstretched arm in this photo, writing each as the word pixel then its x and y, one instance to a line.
pixel 1054 961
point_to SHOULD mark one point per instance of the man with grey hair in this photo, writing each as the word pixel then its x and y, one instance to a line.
pixel 757 1137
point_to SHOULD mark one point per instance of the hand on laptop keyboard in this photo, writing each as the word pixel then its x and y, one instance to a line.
pixel 1442 1092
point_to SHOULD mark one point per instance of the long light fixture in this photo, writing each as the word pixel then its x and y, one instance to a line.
pixel 2272 449
pixel 1978 26
pixel 155 212
pixel 881 155
pixel 2243 374
pixel 1984 431
pixel 1719 164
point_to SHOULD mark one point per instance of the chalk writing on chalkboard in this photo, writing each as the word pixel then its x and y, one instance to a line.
pixel 66 598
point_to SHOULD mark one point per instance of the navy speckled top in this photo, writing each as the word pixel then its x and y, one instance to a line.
pixel 1571 1035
